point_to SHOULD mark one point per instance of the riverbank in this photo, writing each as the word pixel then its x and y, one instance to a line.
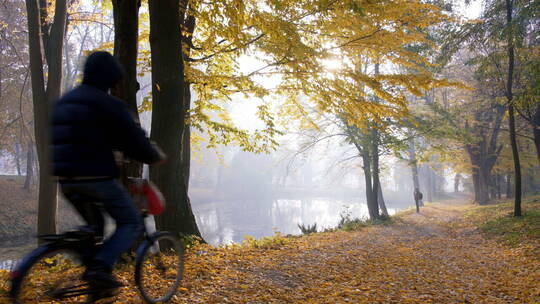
pixel 221 220
pixel 449 253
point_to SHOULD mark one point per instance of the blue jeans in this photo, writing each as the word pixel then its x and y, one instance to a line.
pixel 90 198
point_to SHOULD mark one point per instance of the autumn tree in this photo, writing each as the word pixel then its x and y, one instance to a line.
pixel 348 91
pixel 89 26
pixel 472 121
pixel 168 114
pixel 126 40
pixel 16 136
pixel 509 96
pixel 504 30
pixel 292 40
pixel 47 34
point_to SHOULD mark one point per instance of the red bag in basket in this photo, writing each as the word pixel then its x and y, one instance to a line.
pixel 154 198
pixel 146 195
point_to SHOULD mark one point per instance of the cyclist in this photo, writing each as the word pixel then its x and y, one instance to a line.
pixel 88 127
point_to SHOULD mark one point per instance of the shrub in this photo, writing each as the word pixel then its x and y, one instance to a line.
pixel 276 241
pixel 308 229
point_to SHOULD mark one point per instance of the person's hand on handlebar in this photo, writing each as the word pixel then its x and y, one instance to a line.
pixel 162 155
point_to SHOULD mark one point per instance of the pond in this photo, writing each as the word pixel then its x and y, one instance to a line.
pixel 225 221
pixel 7 264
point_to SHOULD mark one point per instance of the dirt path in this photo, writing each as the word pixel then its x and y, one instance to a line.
pixel 430 257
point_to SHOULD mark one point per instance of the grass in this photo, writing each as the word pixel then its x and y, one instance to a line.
pixel 497 220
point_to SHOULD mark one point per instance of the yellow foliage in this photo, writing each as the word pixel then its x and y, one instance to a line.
pixel 432 257
pixel 291 39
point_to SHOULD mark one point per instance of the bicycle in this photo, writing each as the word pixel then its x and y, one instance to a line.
pixel 53 271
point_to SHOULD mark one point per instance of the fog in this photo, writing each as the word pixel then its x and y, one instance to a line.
pixel 235 193
pixel 240 193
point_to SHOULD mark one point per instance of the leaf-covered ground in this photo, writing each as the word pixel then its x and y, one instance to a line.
pixel 18 217
pixel 438 256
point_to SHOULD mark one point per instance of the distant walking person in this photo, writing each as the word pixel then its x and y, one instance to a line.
pixel 88 126
pixel 418 199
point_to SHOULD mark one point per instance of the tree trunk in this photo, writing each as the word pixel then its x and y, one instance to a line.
pixel 517 165
pixel 43 99
pixel 29 166
pixel 536 131
pixel 364 148
pixel 413 163
pixel 18 152
pixel 476 184
pixel 430 183
pixel 481 175
pixel 511 122
pixel 186 139
pixel 382 204
pixel 126 28
pixel 483 186
pixel 366 166
pixel 68 84
pixel 493 187
pixel 499 186
pixel 188 26
pixel 168 115
pixel 509 193
pixel 457 179
pixel 375 169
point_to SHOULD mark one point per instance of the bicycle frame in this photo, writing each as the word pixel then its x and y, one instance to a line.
pixel 82 242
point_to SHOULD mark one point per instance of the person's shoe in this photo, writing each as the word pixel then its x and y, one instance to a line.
pixel 101 285
pixel 101 279
pixel 100 294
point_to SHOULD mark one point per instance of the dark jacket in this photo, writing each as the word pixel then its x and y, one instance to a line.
pixel 88 124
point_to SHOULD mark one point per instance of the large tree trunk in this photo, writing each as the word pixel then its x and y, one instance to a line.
pixel 186 139
pixel 476 184
pixel 189 22
pixel 168 115
pixel 511 122
pixel 483 183
pixel 43 98
pixel 493 187
pixel 364 150
pixel 482 164
pixel 126 28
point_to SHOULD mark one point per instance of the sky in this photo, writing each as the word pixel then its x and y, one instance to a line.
pixel 472 10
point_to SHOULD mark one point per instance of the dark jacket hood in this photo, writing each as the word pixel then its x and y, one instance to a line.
pixel 102 70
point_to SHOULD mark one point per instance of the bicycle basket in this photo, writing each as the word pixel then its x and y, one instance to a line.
pixel 147 196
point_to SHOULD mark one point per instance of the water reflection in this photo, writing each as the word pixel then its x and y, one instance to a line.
pixel 227 221
pixel 7 264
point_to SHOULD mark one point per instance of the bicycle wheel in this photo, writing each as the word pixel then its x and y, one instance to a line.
pixel 46 274
pixel 159 267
